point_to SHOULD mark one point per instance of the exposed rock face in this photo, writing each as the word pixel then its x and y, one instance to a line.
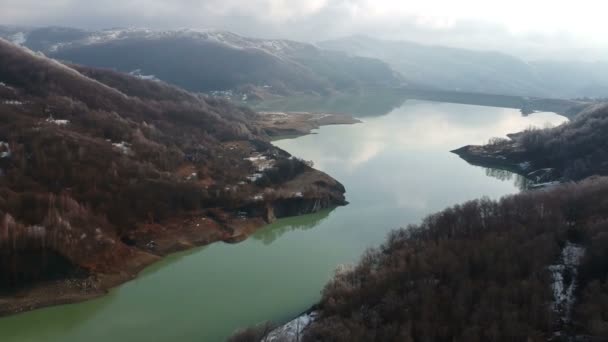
pixel 103 173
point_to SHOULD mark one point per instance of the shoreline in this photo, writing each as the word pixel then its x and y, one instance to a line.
pixel 295 124
pixel 539 177
pixel 176 235
pixel 70 291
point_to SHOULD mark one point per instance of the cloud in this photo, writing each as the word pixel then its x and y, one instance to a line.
pixel 538 27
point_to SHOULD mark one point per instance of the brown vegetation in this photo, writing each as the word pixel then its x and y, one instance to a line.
pixel 96 165
pixel 578 149
pixel 478 272
pixel 573 151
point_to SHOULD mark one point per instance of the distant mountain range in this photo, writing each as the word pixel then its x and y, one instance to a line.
pixel 480 71
pixel 210 60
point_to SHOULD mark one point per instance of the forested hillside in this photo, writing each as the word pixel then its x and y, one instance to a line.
pixel 572 151
pixel 531 267
pixel 101 173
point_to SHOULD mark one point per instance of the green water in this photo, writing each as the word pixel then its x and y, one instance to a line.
pixel 396 169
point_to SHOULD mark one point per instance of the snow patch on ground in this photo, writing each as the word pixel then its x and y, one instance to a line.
pixel 544 185
pixel 137 73
pixel 13 103
pixel 261 162
pixel 5 150
pixel 226 94
pixel 36 231
pixel 541 175
pixel 18 38
pixel 123 147
pixel 278 48
pixel 57 122
pixel 291 331
pixel 56 47
pixel 525 165
pixel 254 177
pixel 564 279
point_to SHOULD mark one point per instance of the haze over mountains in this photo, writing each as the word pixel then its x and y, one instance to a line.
pixel 209 60
pixel 480 71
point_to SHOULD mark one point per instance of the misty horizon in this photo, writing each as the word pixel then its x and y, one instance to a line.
pixel 543 30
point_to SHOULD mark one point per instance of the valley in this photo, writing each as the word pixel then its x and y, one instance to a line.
pixel 279 271
pixel 208 181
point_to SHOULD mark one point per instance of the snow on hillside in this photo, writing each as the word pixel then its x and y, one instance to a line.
pixel 274 47
pixel 18 38
pixel 564 279
pixel 138 73
pixel 291 331
pixel 5 150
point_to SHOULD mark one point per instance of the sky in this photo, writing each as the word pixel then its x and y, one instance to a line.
pixel 528 28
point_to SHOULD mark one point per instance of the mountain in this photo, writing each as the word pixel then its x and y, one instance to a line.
pixel 208 60
pixel 103 173
pixel 230 65
pixel 476 71
pixel 574 79
pixel 447 68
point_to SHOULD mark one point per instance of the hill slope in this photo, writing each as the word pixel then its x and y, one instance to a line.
pixel 530 267
pixel 102 173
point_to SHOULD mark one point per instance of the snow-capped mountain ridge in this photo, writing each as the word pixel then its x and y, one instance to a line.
pixel 204 60
pixel 276 47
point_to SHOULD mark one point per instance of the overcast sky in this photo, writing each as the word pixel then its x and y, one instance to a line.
pixel 529 28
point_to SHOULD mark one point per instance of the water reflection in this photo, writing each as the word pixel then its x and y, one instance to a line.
pixel 271 233
pixel 53 321
pixel 380 102
pixel 417 126
pixel 169 260
pixel 521 182
pixel 371 103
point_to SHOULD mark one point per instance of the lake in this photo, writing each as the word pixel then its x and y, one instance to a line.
pixel 396 168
